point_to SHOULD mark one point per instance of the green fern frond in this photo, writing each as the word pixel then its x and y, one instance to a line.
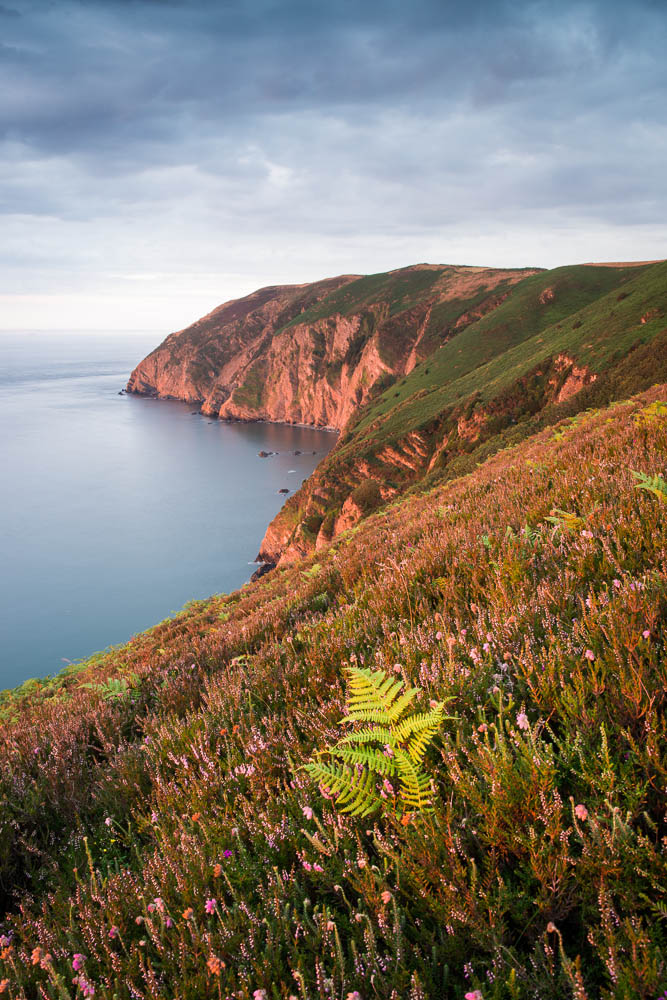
pixel 353 791
pixel 371 734
pixel 654 484
pixel 372 758
pixel 372 691
pixel 393 745
pixel 415 784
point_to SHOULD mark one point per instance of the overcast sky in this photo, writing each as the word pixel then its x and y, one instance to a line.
pixel 158 157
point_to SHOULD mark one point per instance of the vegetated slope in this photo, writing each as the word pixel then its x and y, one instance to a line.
pixel 313 353
pixel 160 841
pixel 556 344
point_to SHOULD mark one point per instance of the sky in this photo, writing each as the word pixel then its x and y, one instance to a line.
pixel 158 157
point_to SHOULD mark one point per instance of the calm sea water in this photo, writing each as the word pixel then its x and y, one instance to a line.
pixel 116 510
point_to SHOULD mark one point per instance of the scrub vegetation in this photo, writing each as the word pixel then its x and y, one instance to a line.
pixel 161 835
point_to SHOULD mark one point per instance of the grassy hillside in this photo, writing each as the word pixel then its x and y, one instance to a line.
pixel 556 344
pixel 158 839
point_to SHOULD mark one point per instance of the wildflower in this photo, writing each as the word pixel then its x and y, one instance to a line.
pixel 581 812
pixel 522 721
pixel 196 817
pixel 113 932
pixel 354 995
pixel 168 923
pixel 77 961
pixel 486 647
pixel 551 927
pixel 215 965
pixel 139 920
pixel 228 854
pixel 590 655
pixel 386 896
pixel 473 995
pixel 438 636
pixel 153 817
pixel 616 584
pixel 307 812
pixel 188 913
pixel 211 905
pixel 388 752
pixel 586 534
pixel 217 870
pixel 330 925
pixel 159 904
pixel 151 907
pixel 40 957
pixel 108 821
pixel 388 787
pixel 646 633
pixel 4 983
pixel 259 995
pixel 482 728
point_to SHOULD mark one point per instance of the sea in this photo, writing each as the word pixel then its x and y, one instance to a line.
pixel 116 510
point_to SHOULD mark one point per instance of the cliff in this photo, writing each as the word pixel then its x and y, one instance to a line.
pixel 423 370
pixel 314 353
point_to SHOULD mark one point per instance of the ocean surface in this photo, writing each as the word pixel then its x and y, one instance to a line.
pixel 116 510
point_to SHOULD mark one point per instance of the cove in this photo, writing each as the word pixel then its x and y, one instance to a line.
pixel 116 510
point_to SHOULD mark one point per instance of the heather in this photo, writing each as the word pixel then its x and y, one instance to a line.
pixel 160 838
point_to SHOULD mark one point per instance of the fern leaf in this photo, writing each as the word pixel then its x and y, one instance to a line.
pixel 371 758
pixel 654 484
pixel 371 691
pixel 417 722
pixel 371 734
pixel 415 784
pixel 353 792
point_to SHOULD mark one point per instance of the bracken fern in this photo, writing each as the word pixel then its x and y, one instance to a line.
pixel 393 746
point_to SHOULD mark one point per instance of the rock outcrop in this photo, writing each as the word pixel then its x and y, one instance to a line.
pixel 312 354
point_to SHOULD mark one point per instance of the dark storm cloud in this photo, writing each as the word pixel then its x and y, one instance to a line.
pixel 246 125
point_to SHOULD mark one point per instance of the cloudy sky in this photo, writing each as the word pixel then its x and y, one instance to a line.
pixel 158 156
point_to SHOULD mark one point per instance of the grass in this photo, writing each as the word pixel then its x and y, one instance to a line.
pixel 167 844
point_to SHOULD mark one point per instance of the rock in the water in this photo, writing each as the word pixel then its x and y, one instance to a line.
pixel 264 454
pixel 297 452
pixel 283 490
pixel 262 571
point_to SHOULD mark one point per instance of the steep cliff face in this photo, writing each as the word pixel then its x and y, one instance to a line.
pixel 538 355
pixel 314 353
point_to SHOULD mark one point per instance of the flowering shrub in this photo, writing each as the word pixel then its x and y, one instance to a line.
pixel 540 871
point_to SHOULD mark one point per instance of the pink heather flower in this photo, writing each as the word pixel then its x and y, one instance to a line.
pixel 388 752
pixel 586 534
pixel 354 995
pixel 486 647
pixel 386 896
pixel 307 812
pixel 522 721
pixel 159 903
pixel 473 995
pixel 590 655
pixel 153 817
pixel 388 787
pixel 168 923
pixel 646 633
pixel 616 584
pixel 151 907
pixel 259 995
pixel 438 636
pixel 113 932
pixel 77 961
pixel 108 821
pixel 581 812
pixel 211 905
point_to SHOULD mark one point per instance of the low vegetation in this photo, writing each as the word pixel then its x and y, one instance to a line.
pixel 160 833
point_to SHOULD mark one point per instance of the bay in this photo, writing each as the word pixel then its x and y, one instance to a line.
pixel 116 510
